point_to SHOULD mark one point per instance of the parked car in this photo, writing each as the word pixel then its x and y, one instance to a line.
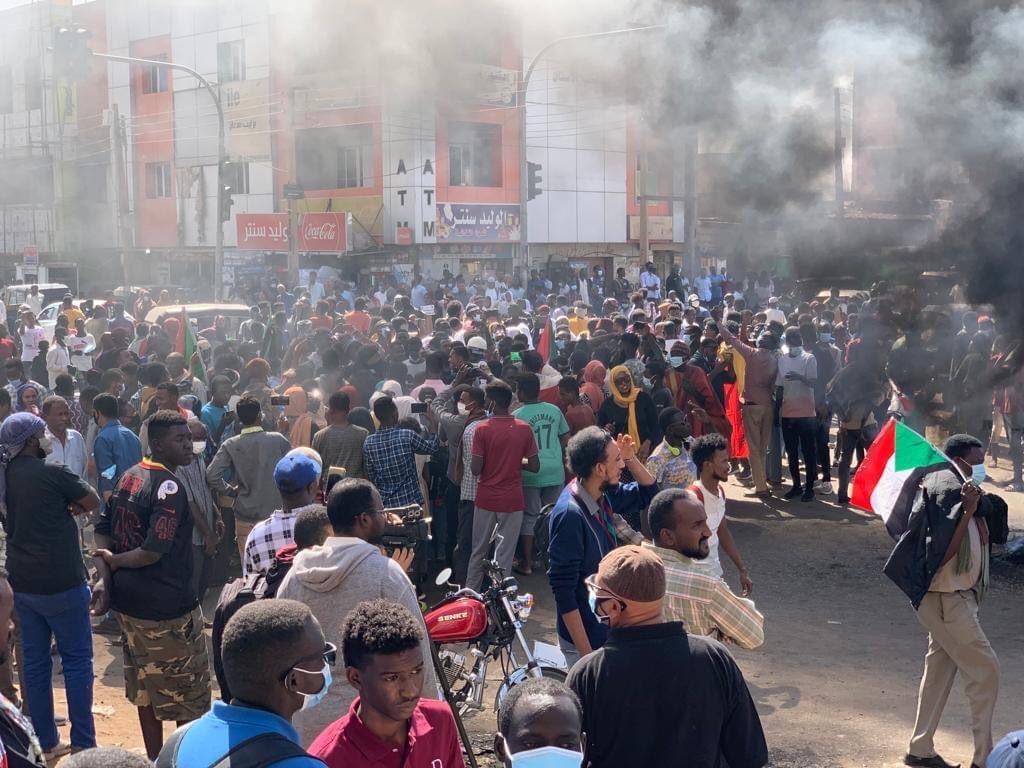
pixel 202 315
pixel 48 317
pixel 16 295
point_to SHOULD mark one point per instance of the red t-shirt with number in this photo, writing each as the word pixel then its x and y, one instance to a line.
pixel 503 442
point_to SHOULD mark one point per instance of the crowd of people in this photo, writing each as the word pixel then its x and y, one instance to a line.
pixel 584 426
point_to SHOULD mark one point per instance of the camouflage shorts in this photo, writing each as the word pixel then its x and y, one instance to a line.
pixel 166 665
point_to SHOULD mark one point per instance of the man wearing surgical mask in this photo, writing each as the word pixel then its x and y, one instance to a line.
pixel 651 675
pixel 209 526
pixel 276 662
pixel 46 572
pixel 540 725
pixel 381 644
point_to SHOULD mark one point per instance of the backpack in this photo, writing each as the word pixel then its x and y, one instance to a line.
pixel 542 534
pixel 259 751
pixel 997 519
pixel 235 594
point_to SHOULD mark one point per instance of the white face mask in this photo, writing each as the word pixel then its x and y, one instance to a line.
pixel 46 444
pixel 198 446
pixel 463 409
pixel 310 700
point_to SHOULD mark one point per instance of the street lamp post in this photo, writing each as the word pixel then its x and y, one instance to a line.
pixel 218 259
pixel 524 192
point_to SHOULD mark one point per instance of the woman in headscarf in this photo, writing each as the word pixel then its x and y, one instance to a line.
pixel 630 411
pixel 362 417
pixel 301 424
pixel 394 389
pixel 257 384
pixel 27 398
pixel 592 388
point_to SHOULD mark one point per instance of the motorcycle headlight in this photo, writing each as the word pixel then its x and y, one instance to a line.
pixel 524 605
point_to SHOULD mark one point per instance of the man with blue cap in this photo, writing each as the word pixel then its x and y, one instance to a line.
pixel 51 593
pixel 297 477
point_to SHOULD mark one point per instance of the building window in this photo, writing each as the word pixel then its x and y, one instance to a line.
pixel 335 158
pixel 236 178
pixel 231 61
pixel 33 84
pixel 474 155
pixel 158 180
pixel 6 90
pixel 154 77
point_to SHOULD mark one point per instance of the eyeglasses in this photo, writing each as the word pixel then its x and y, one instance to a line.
pixel 330 657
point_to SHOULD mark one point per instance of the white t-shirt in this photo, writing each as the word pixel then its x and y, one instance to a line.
pixel 703 286
pixel 797 397
pixel 652 283
pixel 774 315
pixel 714 508
pixel 30 338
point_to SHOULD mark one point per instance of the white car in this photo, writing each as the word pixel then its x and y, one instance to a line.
pixel 81 359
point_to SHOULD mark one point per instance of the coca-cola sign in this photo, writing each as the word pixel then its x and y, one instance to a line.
pixel 322 232
pixel 269 232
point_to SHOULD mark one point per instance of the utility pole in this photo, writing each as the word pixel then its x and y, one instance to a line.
pixel 117 172
pixel 293 218
pixel 524 192
pixel 690 201
pixel 645 238
pixel 218 259
pixel 839 146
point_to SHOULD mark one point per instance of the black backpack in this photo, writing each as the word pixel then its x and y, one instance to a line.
pixel 258 752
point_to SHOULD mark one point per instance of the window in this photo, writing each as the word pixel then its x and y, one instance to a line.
pixel 236 178
pixel 33 84
pixel 231 61
pixel 335 158
pixel 154 77
pixel 6 90
pixel 474 155
pixel 158 180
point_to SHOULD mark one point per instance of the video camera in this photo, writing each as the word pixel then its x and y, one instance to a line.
pixel 412 533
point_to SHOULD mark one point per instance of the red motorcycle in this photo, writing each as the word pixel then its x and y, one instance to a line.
pixel 492 624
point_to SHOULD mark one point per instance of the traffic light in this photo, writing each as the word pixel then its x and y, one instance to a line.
pixel 533 180
pixel 71 52
pixel 226 178
pixel 226 203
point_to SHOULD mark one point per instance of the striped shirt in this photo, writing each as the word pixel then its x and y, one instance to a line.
pixel 467 491
pixel 706 605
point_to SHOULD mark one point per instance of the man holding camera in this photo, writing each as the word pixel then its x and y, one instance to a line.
pixel 333 579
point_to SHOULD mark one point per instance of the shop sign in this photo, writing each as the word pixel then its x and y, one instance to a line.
pixel 323 232
pixel 262 231
pixel 481 223
pixel 658 228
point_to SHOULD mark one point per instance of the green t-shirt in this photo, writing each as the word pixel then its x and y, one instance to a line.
pixel 548 425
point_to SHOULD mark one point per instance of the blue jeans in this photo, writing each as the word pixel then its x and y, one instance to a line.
pixel 65 616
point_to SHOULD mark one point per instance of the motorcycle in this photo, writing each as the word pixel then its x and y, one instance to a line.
pixel 492 624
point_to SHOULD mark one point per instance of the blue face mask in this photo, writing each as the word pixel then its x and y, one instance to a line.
pixel 675 361
pixel 592 600
pixel 546 757
pixel 978 473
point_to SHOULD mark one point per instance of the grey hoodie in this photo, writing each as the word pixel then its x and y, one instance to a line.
pixel 332 580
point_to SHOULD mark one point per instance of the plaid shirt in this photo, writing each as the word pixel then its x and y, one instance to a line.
pixel 267 537
pixel 389 462
pixel 467 492
pixel 706 605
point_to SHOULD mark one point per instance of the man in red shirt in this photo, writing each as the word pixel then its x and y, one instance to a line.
pixel 358 317
pixel 503 446
pixel 388 724
pixel 6 344
pixel 578 415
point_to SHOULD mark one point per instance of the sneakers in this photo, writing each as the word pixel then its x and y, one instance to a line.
pixel 808 495
pixel 824 487
pixel 792 493
pixel 1015 487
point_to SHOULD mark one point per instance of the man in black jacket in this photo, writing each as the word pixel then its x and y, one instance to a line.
pixel 653 695
pixel 941 562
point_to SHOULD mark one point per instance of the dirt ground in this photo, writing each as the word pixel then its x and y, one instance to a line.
pixel 836 680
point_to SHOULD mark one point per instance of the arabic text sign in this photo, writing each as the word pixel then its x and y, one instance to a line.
pixel 480 223
pixel 262 231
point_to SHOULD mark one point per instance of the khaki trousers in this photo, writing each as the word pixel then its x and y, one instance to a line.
pixel 242 530
pixel 757 422
pixel 956 643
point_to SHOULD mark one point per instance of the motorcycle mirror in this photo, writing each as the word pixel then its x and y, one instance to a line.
pixel 443 577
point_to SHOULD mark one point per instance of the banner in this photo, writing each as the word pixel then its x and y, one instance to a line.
pixel 247 118
pixel 318 232
pixel 479 223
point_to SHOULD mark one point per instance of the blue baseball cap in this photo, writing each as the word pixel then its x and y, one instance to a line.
pixel 295 472
pixel 1008 753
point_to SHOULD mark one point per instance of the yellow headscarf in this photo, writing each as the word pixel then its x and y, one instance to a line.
pixel 626 401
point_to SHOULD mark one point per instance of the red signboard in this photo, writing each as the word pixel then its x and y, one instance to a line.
pixel 403 235
pixel 262 231
pixel 322 232
pixel 269 232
